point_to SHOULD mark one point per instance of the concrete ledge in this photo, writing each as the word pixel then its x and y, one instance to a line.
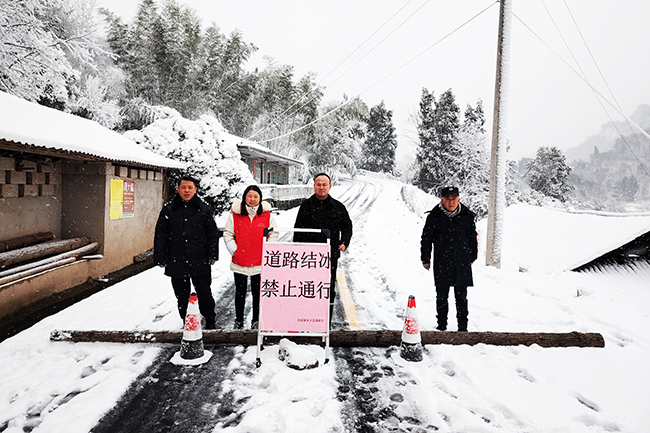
pixel 35 311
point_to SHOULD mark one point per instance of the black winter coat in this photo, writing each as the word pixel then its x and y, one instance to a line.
pixel 186 238
pixel 455 246
pixel 328 214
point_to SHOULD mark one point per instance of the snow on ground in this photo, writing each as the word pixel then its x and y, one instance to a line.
pixel 54 387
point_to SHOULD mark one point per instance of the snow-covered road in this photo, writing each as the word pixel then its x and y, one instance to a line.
pixel 55 387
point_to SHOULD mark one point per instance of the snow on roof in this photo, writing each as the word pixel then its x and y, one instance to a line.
pixel 549 240
pixel 257 148
pixel 26 122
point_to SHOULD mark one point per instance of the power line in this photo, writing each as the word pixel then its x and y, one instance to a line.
pixel 385 77
pixel 277 120
pixel 379 43
pixel 431 46
pixel 583 72
pixel 590 86
pixel 602 76
pixel 374 33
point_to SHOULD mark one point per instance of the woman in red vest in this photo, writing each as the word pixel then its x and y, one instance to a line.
pixel 243 237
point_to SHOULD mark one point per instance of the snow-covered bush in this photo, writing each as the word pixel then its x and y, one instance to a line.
pixel 208 149
pixel 549 173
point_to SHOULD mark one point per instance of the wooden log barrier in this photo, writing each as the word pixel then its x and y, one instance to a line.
pixel 343 338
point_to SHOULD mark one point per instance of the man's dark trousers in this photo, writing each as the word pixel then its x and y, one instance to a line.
pixel 442 305
pixel 203 293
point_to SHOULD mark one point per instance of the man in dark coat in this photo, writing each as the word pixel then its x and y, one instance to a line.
pixel 321 211
pixel 186 243
pixel 450 228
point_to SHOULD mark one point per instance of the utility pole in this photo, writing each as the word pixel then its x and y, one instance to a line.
pixel 497 198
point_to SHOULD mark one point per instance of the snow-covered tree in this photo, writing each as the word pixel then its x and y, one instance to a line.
pixel 451 153
pixel 33 64
pixel 49 53
pixel 230 87
pixel 160 54
pixel 208 149
pixel 381 141
pixel 427 137
pixel 471 160
pixel 273 105
pixel 620 174
pixel 627 187
pixel 169 60
pixel 308 98
pixel 438 127
pixel 549 173
pixel 339 138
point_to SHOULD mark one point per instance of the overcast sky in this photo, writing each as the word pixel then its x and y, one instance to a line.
pixel 548 104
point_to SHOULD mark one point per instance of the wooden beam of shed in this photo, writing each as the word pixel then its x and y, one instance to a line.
pixel 343 338
pixel 42 150
pixel 24 241
pixel 38 251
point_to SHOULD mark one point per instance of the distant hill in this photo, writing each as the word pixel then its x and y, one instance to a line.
pixel 605 139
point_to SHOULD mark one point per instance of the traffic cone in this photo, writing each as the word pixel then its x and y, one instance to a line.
pixel 192 351
pixel 411 347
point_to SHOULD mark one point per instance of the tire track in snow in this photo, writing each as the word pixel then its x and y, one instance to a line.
pixel 383 393
pixel 372 393
pixel 359 198
pixel 359 263
pixel 380 391
pixel 171 398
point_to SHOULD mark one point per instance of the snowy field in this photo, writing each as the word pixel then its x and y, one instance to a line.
pixel 65 387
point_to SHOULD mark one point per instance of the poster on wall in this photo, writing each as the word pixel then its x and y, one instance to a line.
pixel 128 199
pixel 122 201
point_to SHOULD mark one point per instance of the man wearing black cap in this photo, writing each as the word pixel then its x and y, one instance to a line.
pixel 451 231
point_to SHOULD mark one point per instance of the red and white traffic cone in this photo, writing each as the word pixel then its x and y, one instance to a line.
pixel 411 347
pixel 192 351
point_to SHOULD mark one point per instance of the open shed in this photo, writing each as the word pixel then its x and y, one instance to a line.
pixel 266 165
pixel 537 239
pixel 66 178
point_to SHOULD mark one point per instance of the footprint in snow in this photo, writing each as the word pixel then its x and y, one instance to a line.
pixel 448 369
pixel 137 356
pixel 159 317
pixel 525 375
pixel 587 403
pixel 87 371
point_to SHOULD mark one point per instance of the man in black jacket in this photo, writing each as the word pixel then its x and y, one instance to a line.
pixel 450 228
pixel 321 211
pixel 186 243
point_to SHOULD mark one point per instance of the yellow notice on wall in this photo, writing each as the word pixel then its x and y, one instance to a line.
pixel 117 196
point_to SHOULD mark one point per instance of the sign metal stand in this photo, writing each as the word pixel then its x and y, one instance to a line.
pixel 295 290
